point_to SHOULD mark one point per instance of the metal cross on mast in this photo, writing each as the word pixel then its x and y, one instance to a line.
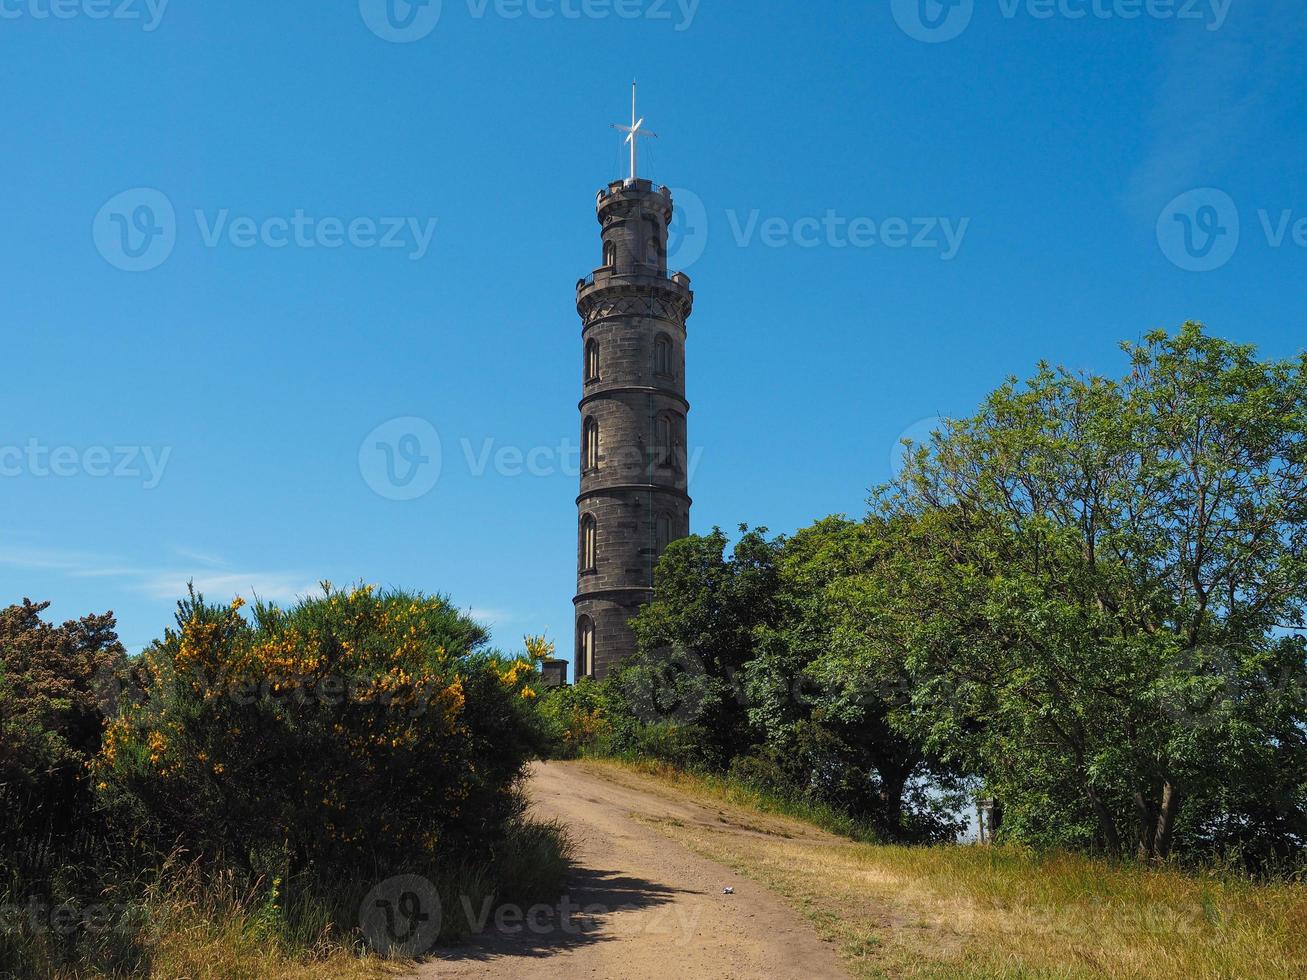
pixel 634 132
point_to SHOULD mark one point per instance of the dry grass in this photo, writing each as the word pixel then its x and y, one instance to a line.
pixel 187 924
pixel 207 928
pixel 225 951
pixel 224 946
pixel 973 911
pixel 184 921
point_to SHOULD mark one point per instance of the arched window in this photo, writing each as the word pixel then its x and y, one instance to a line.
pixel 592 360
pixel 662 355
pixel 654 253
pixel 610 254
pixel 663 532
pixel 590 443
pixel 589 543
pixel 585 647
pixel 669 448
pixel 662 439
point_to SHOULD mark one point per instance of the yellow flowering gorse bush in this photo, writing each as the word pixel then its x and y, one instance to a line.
pixel 356 726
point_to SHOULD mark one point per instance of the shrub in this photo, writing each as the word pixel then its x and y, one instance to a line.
pixel 576 717
pixel 53 687
pixel 262 776
pixel 57 858
pixel 355 730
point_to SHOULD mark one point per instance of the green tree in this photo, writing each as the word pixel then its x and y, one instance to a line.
pixel 725 672
pixel 697 636
pixel 56 684
pixel 1099 596
pixel 829 729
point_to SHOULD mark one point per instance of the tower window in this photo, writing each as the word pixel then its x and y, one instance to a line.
pixel 585 647
pixel 590 443
pixel 610 254
pixel 662 439
pixel 662 355
pixel 669 440
pixel 592 360
pixel 589 543
pixel 663 532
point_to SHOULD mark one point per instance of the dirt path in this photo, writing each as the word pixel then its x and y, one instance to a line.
pixel 638 904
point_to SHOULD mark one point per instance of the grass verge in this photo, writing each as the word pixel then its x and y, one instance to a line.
pixel 727 790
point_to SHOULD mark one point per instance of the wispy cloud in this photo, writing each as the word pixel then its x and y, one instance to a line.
pixel 1219 91
pixel 165 581
pixel 491 616
pixel 203 558
pixel 275 586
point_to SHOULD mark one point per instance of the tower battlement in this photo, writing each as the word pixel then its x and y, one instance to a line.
pixel 637 186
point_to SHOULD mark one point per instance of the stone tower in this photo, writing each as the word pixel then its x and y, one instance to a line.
pixel 633 499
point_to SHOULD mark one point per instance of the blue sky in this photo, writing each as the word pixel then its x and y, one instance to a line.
pixel 890 208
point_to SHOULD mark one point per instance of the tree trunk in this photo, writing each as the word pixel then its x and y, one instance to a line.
pixel 1166 818
pixel 894 774
pixel 893 779
pixel 1105 824
pixel 1146 825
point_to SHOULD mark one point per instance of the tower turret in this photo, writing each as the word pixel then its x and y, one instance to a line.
pixel 634 473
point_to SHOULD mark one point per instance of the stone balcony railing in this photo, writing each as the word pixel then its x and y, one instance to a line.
pixel 642 274
pixel 617 186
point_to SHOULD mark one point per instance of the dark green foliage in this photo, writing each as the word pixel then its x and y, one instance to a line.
pixel 835 726
pixel 723 681
pixel 697 636
pixel 55 686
